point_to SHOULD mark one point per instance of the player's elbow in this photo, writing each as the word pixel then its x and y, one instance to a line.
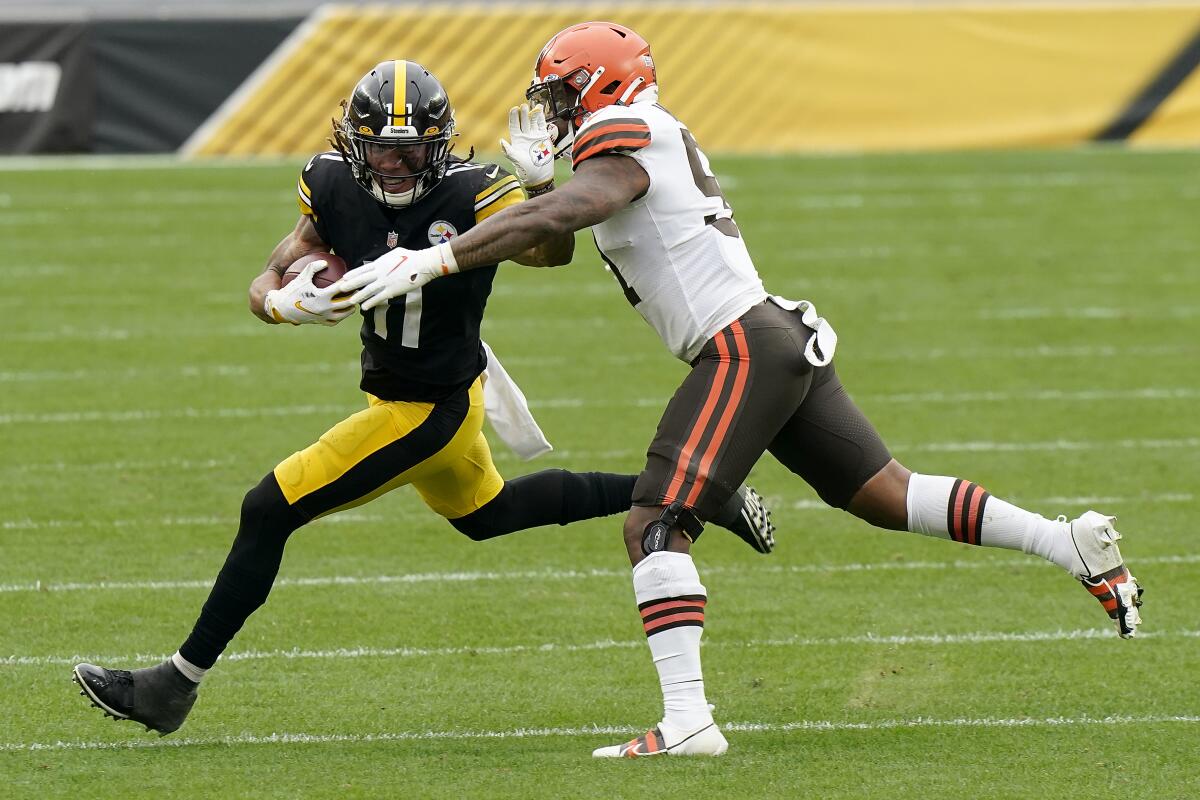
pixel 562 251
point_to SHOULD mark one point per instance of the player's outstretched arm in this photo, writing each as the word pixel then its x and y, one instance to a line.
pixel 602 186
pixel 302 240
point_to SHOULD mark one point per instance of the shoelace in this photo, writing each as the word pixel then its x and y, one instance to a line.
pixel 122 676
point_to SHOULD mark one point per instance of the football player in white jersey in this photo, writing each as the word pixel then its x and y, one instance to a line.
pixel 761 380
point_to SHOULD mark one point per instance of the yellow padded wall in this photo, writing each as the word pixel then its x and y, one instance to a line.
pixel 755 77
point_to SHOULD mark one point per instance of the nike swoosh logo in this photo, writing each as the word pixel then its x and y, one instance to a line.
pixel 305 310
pixel 393 269
pixel 491 173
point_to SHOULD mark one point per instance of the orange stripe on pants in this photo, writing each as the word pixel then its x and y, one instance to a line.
pixel 710 403
pixel 742 359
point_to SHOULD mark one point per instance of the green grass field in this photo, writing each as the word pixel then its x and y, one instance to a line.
pixel 1028 320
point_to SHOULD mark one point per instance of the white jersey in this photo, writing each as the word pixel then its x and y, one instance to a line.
pixel 676 250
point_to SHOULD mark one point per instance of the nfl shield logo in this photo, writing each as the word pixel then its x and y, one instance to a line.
pixel 441 232
pixel 393 239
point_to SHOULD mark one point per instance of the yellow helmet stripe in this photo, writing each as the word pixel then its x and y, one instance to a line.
pixel 400 91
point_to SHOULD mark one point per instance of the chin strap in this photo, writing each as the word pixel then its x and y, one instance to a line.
pixel 392 199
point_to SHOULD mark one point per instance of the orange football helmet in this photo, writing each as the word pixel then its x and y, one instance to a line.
pixel 587 67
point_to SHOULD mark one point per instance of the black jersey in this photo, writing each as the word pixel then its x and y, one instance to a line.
pixel 423 346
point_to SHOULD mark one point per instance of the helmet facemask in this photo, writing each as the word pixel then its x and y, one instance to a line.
pixel 397 167
pixel 560 98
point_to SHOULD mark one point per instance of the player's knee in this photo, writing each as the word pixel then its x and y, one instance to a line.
pixel 883 500
pixel 896 476
pixel 264 508
pixel 495 518
pixel 635 524
pixel 477 526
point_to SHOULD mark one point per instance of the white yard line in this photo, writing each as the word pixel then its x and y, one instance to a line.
pixel 17 271
pixel 345 653
pixel 583 326
pixel 1037 395
pixel 147 414
pixel 798 726
pixel 357 518
pixel 166 464
pixel 1150 394
pixel 1022 353
pixel 345 518
pixel 1056 445
pixel 1056 500
pixel 204 371
pixel 984 562
pixel 93 335
pixel 1022 313
pixel 351 366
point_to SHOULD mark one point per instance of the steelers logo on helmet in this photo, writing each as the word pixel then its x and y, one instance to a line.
pixel 441 232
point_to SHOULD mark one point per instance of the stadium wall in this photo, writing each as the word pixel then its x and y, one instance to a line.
pixel 47 94
pixel 755 78
pixel 122 85
pixel 770 77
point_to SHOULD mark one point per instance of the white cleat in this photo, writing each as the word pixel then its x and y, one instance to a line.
pixel 1104 573
pixel 664 740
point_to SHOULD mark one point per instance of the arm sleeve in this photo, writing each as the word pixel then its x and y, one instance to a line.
pixel 497 193
pixel 610 135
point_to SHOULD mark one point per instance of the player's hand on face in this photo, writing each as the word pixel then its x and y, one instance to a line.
pixel 531 150
pixel 302 303
pixel 397 272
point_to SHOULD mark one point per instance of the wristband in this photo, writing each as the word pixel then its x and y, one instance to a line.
pixel 449 262
pixel 269 308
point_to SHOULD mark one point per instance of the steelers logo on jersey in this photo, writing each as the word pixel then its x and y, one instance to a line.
pixel 441 232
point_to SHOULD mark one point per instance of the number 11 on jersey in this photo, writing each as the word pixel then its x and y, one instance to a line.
pixel 410 334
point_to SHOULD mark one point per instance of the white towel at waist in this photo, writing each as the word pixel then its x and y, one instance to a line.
pixel 509 413
pixel 820 347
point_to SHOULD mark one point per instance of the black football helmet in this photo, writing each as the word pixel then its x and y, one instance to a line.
pixel 395 132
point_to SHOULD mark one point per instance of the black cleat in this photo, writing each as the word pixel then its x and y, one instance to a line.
pixel 746 515
pixel 158 697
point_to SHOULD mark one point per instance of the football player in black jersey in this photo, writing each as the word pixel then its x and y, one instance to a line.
pixel 391 182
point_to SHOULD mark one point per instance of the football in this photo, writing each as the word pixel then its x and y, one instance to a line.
pixel 332 273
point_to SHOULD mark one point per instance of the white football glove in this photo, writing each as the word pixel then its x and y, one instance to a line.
pixel 301 303
pixel 532 148
pixel 396 272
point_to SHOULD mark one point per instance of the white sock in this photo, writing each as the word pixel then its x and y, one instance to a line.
pixel 951 508
pixel 187 668
pixel 671 600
